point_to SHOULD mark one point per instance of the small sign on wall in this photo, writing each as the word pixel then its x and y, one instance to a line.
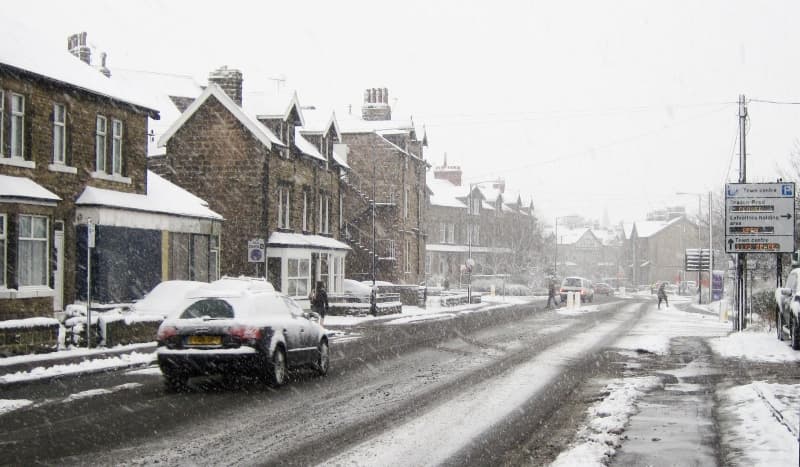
pixel 256 250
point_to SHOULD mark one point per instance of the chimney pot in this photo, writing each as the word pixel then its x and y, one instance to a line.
pixel 76 44
pixel 376 104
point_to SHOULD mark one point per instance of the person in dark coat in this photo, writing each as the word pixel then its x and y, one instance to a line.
pixel 319 301
pixel 551 293
pixel 662 294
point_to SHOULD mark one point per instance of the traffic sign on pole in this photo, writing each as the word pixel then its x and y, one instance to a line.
pixel 759 217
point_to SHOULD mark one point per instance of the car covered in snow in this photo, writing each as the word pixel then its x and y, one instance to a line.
pixel 165 298
pixel 240 326
pixel 787 310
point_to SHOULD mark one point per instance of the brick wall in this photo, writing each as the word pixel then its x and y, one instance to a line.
pixel 216 158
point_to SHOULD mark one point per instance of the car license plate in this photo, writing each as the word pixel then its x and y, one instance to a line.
pixel 204 340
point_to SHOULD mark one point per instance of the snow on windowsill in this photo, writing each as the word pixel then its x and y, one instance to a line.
pixel 111 178
pixel 62 168
pixel 27 292
pixel 17 162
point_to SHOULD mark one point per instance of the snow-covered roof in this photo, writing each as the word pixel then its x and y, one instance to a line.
pixel 444 193
pixel 162 197
pixel 25 49
pixel 273 104
pixel 645 229
pixel 571 236
pixel 307 241
pixel 316 121
pixel 351 123
pixel 306 147
pixel 24 189
pixel 490 193
pixel 160 86
pixel 261 132
pixel 339 159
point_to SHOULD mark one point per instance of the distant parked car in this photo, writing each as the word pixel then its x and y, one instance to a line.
pixel 787 310
pixel 240 325
pixel 602 288
pixel 577 284
pixel 165 298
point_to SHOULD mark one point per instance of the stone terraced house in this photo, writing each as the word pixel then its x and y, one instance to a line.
pixel 73 155
pixel 388 169
pixel 272 169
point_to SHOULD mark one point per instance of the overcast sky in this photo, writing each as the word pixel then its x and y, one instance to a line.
pixel 587 106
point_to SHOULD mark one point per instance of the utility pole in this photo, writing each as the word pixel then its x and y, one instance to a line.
pixel 741 258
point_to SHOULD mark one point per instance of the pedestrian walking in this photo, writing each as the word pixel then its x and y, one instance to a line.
pixel 662 295
pixel 319 301
pixel 551 293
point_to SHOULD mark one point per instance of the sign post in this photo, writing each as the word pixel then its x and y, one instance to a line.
pixel 256 253
pixel 89 245
pixel 759 218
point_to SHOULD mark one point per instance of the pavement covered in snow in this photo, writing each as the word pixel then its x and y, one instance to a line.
pixel 759 421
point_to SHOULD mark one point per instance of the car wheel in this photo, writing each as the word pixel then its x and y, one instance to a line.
pixel 793 328
pixel 175 382
pixel 275 374
pixel 779 323
pixel 324 358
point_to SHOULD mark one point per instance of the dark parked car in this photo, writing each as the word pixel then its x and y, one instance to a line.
pixel 787 311
pixel 602 288
pixel 241 325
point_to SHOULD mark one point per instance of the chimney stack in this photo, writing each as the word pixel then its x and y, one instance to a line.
pixel 76 44
pixel 376 105
pixel 451 173
pixel 230 80
pixel 103 68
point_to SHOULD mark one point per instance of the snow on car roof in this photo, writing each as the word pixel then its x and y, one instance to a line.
pixel 233 287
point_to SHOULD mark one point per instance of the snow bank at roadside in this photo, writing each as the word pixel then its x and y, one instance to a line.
pixel 126 360
pixel 599 440
pixel 755 345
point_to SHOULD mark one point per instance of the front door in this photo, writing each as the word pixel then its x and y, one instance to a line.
pixel 58 271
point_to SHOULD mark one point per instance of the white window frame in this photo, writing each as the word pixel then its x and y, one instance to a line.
pixel 213 258
pixel 101 144
pixel 17 123
pixel 338 274
pixel 305 211
pixel 300 277
pixel 341 213
pixel 428 262
pixel 323 223
pixel 45 263
pixel 283 207
pixel 408 255
pixel 59 134
pixel 116 147
pixel 405 203
pixel 2 116
pixel 3 250
pixel 451 233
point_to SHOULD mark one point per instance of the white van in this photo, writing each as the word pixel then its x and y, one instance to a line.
pixel 577 284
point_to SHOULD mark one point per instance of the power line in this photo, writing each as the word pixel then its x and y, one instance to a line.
pixel 770 101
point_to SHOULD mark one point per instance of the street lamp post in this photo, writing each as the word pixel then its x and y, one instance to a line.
pixel 710 245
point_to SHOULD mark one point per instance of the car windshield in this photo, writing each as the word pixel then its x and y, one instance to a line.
pixel 572 282
pixel 213 308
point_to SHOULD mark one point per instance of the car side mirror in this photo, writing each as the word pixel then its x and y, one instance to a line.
pixel 786 292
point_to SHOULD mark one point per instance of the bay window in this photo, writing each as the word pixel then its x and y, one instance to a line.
pixel 32 250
